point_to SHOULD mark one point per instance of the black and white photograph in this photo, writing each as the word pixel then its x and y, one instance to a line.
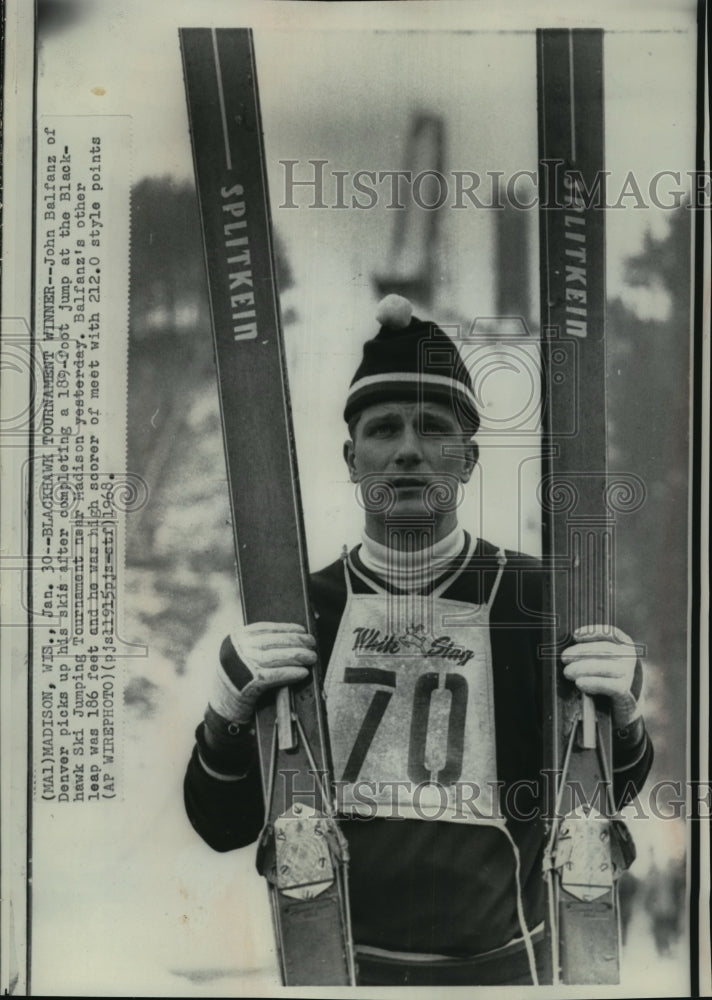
pixel 354 447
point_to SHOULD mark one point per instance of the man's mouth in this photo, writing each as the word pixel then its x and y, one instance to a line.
pixel 409 482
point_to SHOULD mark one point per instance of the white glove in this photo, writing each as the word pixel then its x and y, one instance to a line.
pixel 602 661
pixel 268 655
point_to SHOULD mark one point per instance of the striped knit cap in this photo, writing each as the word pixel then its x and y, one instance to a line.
pixel 411 359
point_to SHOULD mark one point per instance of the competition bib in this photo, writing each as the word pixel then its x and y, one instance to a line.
pixel 411 712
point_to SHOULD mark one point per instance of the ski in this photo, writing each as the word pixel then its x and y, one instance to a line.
pixel 301 851
pixel 581 859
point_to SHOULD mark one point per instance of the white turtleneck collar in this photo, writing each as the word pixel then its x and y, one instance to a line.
pixel 409 570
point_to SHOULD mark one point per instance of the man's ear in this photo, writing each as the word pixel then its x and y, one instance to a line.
pixel 472 453
pixel 350 460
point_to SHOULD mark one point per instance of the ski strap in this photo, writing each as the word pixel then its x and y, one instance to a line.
pixel 587 848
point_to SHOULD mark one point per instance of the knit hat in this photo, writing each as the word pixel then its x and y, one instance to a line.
pixel 411 359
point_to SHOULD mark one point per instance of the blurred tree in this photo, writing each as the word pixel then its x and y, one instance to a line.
pixel 168 286
pixel 180 541
pixel 168 289
pixel 649 411
pixel 171 346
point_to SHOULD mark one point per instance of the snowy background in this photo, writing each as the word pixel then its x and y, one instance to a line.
pixel 126 898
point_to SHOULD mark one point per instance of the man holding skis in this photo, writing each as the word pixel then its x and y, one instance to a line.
pixel 430 642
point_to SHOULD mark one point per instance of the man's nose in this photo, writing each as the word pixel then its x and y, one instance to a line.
pixel 410 447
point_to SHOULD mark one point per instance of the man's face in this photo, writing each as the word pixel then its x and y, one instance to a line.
pixel 411 447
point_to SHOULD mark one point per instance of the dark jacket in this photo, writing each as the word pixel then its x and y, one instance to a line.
pixel 433 886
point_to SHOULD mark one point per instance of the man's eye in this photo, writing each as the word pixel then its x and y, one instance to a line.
pixel 435 427
pixel 381 430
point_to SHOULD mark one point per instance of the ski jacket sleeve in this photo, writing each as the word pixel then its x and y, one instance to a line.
pixel 632 760
pixel 222 789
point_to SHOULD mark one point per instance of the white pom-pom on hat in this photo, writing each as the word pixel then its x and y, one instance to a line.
pixel 394 311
